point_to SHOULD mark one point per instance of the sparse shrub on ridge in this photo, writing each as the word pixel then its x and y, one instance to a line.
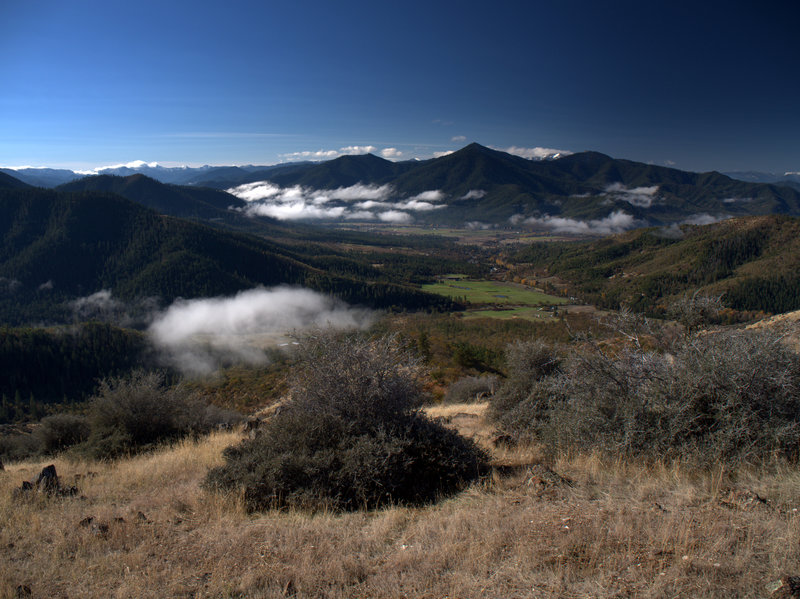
pixel 727 396
pixel 350 436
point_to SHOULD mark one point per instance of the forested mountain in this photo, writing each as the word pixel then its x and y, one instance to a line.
pixel 480 184
pixel 753 261
pixel 473 185
pixel 56 247
pixel 9 182
pixel 184 202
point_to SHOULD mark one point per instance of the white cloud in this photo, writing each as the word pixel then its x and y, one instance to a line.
pixel 478 226
pixel 329 154
pixel 136 164
pixel 704 219
pixel 473 194
pixel 251 192
pixel 736 200
pixel 353 202
pixel 299 210
pixel 362 192
pixel 432 195
pixel 458 138
pixel 360 215
pixel 395 216
pixel 413 204
pixel 442 154
pixel 641 197
pixel 535 153
pixel 391 153
pixel 616 222
pixel 199 335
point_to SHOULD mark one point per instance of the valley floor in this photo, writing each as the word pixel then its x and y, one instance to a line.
pixel 576 527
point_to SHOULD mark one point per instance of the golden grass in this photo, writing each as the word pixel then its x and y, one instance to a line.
pixel 615 530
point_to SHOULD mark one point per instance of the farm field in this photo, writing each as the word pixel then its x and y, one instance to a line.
pixel 491 292
pixel 526 313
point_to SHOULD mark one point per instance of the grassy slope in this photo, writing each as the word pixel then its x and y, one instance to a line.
pixel 619 530
pixel 492 292
pixel 645 266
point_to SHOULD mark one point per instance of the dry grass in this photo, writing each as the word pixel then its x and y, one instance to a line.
pixel 610 530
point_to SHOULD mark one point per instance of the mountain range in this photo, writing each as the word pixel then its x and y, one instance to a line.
pixel 586 192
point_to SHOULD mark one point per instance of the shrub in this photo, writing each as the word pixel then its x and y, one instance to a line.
pixel 471 389
pixel 18 446
pixel 527 362
pixel 350 436
pixel 60 431
pixel 730 396
pixel 132 413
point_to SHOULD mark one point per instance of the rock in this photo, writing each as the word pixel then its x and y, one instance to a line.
pixel 141 517
pixel 786 588
pixel 743 499
pixel 86 522
pixel 47 481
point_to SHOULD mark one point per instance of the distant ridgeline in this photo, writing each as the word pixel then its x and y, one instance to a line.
pixel 754 262
pixel 475 185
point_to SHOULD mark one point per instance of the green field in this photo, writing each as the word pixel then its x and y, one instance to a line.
pixel 511 314
pixel 491 292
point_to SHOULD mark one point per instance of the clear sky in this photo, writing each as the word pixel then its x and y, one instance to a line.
pixel 698 85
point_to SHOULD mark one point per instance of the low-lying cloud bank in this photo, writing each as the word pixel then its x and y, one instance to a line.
pixel 616 222
pixel 198 336
pixel 357 202
pixel 641 197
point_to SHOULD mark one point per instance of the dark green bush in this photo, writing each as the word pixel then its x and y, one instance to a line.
pixel 351 436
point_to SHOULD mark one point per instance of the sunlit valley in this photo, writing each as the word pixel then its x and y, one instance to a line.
pixel 382 301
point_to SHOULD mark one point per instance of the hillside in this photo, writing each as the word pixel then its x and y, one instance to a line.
pixel 55 247
pixel 9 182
pixel 478 184
pixel 184 202
pixel 754 261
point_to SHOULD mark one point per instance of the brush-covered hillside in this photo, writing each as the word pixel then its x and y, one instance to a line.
pixel 753 261
pixel 56 247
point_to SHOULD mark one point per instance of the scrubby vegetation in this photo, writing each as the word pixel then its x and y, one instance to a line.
pixel 127 415
pixel 726 396
pixel 350 436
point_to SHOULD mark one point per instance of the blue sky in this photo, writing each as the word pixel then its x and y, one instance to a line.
pixel 697 85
